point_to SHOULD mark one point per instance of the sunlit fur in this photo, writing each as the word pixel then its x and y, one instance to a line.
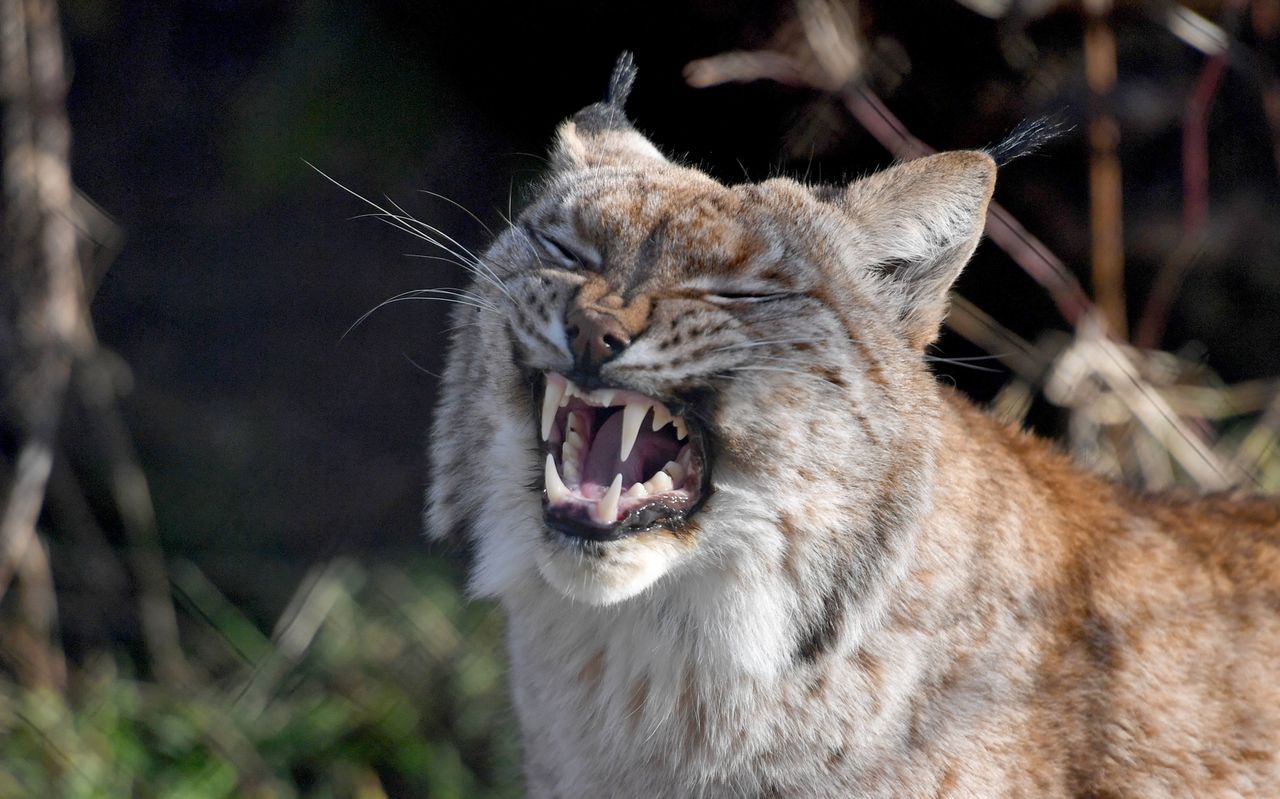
pixel 886 593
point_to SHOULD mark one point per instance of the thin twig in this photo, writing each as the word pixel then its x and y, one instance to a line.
pixel 1106 226
pixel 803 63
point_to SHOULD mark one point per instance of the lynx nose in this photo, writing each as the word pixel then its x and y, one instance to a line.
pixel 594 337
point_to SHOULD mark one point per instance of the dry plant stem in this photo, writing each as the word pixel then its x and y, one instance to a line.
pixel 42 292
pixel 44 664
pixel 132 495
pixel 1253 451
pixel 1105 359
pixel 1105 192
pixel 1195 192
pixel 1003 228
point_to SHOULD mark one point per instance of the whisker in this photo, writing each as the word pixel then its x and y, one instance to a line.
pixel 462 208
pixel 476 266
pixel 742 345
pixel 524 235
pixel 420 367
pixel 969 358
pixel 410 218
pixel 403 223
pixel 963 365
pixel 459 298
pixel 771 369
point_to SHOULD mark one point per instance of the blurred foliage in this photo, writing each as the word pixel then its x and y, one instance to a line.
pixel 379 681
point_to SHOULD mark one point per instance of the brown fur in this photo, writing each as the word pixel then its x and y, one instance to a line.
pixel 886 592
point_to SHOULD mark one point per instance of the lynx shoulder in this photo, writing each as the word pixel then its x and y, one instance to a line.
pixel 747 546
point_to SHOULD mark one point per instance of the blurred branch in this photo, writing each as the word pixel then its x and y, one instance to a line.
pixel 827 55
pixel 43 325
pixel 1106 200
pixel 46 334
pixel 1195 186
pixel 96 387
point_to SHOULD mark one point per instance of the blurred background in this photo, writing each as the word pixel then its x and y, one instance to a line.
pixel 212 571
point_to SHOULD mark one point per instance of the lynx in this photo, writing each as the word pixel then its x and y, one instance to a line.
pixel 747 545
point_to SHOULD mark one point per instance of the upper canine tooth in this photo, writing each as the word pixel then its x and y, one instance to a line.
pixel 556 490
pixel 606 510
pixel 550 401
pixel 632 416
pixel 682 428
pixel 661 416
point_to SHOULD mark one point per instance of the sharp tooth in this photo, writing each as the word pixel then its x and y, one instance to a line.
pixel 685 458
pixel 682 429
pixel 606 510
pixel 603 397
pixel 661 416
pixel 570 452
pixel 550 401
pixel 556 491
pixel 659 483
pixel 637 491
pixel 632 416
pixel 571 469
pixel 676 471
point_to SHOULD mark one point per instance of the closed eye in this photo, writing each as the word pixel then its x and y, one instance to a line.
pixel 560 252
pixel 743 298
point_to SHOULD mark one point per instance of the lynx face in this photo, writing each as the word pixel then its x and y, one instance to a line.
pixel 678 376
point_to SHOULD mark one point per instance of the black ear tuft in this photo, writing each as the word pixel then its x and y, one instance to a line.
pixel 621 81
pixel 1029 136
pixel 608 114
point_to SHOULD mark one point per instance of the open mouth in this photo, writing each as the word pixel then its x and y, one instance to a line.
pixel 617 462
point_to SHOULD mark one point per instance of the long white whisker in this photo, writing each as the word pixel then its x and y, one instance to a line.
pixel 742 345
pixel 770 369
pixel 528 240
pixel 464 210
pixel 475 259
pixel 409 218
pixel 475 267
pixel 400 222
pixel 462 298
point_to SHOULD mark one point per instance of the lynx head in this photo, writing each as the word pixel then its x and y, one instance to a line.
pixel 673 379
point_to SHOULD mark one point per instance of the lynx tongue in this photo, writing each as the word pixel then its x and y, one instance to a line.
pixel 650 453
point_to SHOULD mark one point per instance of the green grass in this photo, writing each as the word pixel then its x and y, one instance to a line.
pixel 379 681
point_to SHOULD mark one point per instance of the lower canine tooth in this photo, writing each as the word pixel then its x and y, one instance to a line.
pixel 556 490
pixel 606 510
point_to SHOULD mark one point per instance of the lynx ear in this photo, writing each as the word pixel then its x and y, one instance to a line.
pixel 601 134
pixel 919 223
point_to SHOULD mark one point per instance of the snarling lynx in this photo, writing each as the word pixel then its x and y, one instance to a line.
pixel 748 546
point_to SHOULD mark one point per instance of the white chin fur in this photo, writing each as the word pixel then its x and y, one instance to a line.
pixel 626 568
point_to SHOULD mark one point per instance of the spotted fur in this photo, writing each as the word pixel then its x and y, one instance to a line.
pixel 887 593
